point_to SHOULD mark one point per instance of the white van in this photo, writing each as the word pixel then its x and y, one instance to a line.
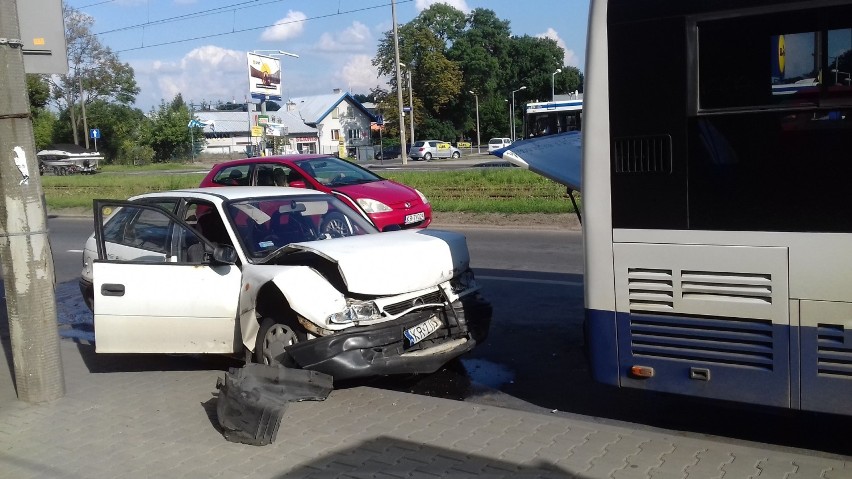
pixel 497 143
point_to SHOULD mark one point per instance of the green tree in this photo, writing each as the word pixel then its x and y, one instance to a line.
pixel 445 21
pixel 93 68
pixel 121 126
pixel 167 133
pixel 483 48
pixel 38 91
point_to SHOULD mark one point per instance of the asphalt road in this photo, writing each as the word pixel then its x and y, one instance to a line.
pixel 533 358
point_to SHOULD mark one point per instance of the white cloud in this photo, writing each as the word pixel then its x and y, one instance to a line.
pixel 570 57
pixel 354 38
pixel 458 4
pixel 288 27
pixel 205 73
pixel 358 74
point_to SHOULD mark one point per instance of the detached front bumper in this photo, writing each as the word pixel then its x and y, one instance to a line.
pixel 383 349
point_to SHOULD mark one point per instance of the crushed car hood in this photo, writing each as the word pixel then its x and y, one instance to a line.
pixel 393 262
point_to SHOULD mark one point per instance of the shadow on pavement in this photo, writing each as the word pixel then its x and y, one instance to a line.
pixel 390 457
pixel 113 363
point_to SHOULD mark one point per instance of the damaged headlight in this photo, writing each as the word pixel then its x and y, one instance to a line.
pixel 463 282
pixel 355 311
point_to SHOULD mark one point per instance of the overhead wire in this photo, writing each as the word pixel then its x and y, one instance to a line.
pixel 212 35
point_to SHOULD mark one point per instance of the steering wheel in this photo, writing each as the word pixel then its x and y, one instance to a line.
pixel 297 229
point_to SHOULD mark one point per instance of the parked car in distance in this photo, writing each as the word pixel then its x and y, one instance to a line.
pixel 387 204
pixel 388 152
pixel 248 271
pixel 497 143
pixel 428 149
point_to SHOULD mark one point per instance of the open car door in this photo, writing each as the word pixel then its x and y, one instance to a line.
pixel 157 287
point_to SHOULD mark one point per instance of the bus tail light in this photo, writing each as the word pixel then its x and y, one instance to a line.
pixel 642 372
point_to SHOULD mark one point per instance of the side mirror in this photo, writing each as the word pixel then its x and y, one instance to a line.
pixel 298 184
pixel 224 254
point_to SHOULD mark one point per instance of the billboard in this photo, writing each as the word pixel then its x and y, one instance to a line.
pixel 264 77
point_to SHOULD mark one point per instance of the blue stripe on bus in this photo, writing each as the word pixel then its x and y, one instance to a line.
pixel 600 338
pixel 750 361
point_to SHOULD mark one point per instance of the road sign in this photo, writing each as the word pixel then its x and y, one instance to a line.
pixel 406 108
pixel 262 119
pixel 95 133
pixel 380 120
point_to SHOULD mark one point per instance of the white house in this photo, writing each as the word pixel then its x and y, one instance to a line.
pixel 342 122
pixel 229 132
pixel 334 124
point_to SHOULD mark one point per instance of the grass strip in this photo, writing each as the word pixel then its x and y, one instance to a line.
pixel 503 190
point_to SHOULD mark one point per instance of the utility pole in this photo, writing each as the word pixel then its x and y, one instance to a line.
pixel 403 150
pixel 83 109
pixel 411 103
pixel 29 279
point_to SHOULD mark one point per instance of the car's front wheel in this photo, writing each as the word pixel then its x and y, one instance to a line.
pixel 273 337
pixel 456 154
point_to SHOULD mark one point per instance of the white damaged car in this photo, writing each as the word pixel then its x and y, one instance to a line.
pixel 284 275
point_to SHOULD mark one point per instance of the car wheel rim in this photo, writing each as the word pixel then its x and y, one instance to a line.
pixel 275 341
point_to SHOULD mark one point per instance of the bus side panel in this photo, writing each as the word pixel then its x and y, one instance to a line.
pixel 601 345
pixel 717 358
pixel 826 343
pixel 709 320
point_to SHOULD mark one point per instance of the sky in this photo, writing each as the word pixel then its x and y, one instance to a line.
pixel 198 47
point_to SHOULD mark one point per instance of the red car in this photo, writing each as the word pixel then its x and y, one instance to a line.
pixel 388 204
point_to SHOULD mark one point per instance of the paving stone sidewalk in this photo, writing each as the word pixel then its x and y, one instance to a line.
pixel 157 419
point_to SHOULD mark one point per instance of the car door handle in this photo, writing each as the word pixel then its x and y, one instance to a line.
pixel 112 289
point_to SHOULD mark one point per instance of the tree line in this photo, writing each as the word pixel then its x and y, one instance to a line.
pixel 451 57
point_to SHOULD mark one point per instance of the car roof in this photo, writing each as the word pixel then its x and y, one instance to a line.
pixel 219 195
pixel 270 159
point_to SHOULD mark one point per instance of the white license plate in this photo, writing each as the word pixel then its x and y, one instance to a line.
pixel 415 218
pixel 423 330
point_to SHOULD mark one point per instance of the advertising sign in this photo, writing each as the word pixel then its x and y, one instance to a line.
pixel 264 77
pixel 256 131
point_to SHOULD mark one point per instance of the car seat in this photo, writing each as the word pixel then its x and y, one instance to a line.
pixel 234 177
pixel 264 178
pixel 210 226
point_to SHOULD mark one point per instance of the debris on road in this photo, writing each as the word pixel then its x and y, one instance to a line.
pixel 252 399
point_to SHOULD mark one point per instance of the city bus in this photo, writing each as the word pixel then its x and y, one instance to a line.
pixel 716 164
pixel 563 114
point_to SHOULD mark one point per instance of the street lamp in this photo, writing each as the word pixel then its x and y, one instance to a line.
pixel 553 84
pixel 273 53
pixel 513 109
pixel 410 99
pixel 478 150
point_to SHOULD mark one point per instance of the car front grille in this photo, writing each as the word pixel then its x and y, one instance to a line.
pixel 429 298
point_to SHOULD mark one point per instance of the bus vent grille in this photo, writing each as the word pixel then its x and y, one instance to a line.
pixel 650 289
pixel 729 341
pixel 834 356
pixel 642 154
pixel 720 286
